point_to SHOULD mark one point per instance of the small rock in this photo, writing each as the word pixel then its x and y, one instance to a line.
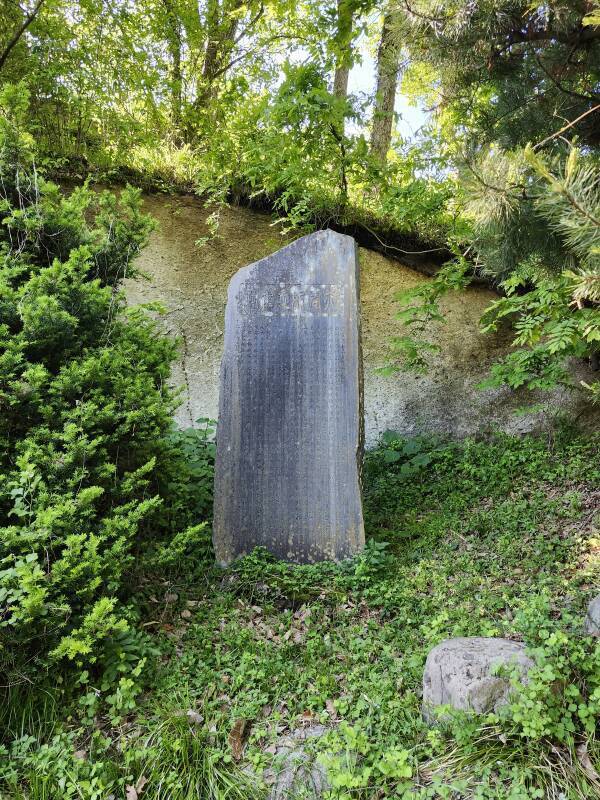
pixel 295 772
pixel 592 618
pixel 460 673
pixel 194 717
pixel 186 614
pixel 171 597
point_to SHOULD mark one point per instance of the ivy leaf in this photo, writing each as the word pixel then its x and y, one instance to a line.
pixel 389 437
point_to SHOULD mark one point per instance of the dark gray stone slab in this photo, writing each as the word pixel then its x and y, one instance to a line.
pixel 289 437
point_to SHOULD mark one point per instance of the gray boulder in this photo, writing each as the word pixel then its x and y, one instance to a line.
pixel 461 673
pixel 295 773
pixel 592 618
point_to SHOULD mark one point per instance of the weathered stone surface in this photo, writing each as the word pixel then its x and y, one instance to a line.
pixel 460 673
pixel 289 439
pixel 592 618
pixel 295 773
pixel 193 289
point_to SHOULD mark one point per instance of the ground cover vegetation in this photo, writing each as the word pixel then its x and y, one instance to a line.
pixel 130 666
pixel 476 538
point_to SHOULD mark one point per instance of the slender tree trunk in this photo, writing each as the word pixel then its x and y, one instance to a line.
pixel 176 89
pixel 211 63
pixel 212 42
pixel 222 30
pixel 221 40
pixel 343 40
pixel 340 81
pixel 388 66
pixel 176 78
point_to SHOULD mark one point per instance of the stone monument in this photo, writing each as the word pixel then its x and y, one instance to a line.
pixel 289 436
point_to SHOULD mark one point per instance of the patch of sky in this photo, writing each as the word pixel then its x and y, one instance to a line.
pixel 410 118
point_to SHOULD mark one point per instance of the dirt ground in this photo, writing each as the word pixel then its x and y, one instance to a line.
pixel 191 282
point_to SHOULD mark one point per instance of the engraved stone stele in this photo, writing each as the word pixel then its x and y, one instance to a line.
pixel 289 436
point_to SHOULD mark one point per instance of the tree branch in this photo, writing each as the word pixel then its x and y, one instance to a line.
pixel 254 50
pixel 420 15
pixel 577 37
pixel 19 32
pixel 561 88
pixel 566 127
pixel 251 23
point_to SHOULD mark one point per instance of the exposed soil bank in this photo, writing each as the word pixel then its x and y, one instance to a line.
pixel 191 283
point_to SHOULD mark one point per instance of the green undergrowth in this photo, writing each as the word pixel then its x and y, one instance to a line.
pixel 495 537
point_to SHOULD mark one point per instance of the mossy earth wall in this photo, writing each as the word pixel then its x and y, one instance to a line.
pixel 191 282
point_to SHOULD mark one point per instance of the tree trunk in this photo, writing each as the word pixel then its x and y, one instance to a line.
pixel 343 41
pixel 388 66
pixel 212 42
pixel 340 81
pixel 221 29
pixel 176 80
pixel 176 89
